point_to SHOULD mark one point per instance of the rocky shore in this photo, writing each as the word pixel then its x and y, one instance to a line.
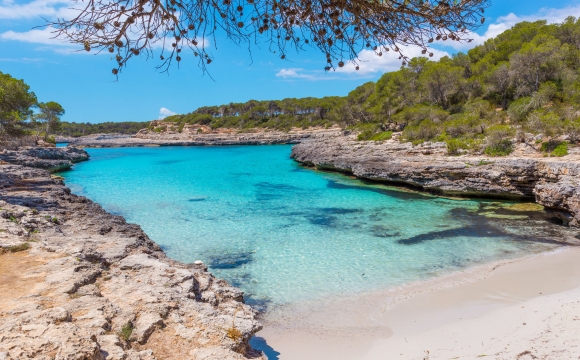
pixel 51 159
pixel 79 283
pixel 174 138
pixel 552 182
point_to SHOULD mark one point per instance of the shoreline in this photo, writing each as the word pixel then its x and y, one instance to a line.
pixel 552 182
pixel 368 326
pixel 147 138
pixel 403 322
pixel 80 282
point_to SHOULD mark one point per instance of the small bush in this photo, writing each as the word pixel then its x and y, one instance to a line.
pixel 499 148
pixel 561 150
pixel 382 136
pixel 234 334
pixel 454 145
pixel 18 248
pixel 365 135
pixel 555 148
pixel 126 331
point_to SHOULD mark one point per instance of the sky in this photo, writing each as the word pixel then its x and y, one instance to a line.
pixel 83 84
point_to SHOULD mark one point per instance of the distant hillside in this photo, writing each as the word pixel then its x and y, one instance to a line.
pixel 273 114
pixel 73 129
pixel 524 81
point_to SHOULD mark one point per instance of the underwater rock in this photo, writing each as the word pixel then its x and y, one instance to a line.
pixel 551 182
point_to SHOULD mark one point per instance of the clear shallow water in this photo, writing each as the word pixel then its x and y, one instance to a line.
pixel 284 233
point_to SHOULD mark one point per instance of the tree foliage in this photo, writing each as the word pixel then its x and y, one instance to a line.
pixel 16 103
pixel 48 116
pixel 74 129
pixel 526 80
pixel 339 29
pixel 20 111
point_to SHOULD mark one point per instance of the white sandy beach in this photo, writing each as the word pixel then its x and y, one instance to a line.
pixel 523 309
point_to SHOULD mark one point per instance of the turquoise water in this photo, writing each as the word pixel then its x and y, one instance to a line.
pixel 284 233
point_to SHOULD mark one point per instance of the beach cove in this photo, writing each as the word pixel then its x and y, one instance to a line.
pixel 237 267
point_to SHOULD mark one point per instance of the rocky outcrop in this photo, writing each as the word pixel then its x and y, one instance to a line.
pixel 48 158
pixel 79 283
pixel 171 138
pixel 551 182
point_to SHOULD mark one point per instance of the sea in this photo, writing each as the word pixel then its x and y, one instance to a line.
pixel 285 233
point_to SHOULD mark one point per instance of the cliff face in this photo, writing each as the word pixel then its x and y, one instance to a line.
pixel 79 283
pixel 554 183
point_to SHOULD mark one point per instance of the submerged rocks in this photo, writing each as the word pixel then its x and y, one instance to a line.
pixel 76 291
pixel 552 182
pixel 48 158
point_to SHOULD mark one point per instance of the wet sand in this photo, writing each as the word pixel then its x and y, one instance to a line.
pixel 520 309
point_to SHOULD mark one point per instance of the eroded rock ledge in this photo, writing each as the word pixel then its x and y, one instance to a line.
pixel 79 283
pixel 150 138
pixel 51 159
pixel 552 182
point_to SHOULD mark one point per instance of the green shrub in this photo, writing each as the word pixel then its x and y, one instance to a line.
pixel 382 136
pixel 18 248
pixel 370 135
pixel 499 148
pixel 454 145
pixel 126 331
pixel 425 131
pixel 561 150
pixel 555 148
pixel 365 135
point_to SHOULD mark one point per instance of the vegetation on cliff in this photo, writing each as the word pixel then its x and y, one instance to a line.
pixel 524 81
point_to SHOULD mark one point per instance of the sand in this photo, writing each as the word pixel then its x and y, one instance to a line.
pixel 523 309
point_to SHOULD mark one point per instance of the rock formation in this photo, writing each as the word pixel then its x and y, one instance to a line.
pixel 553 182
pixel 51 158
pixel 79 283
pixel 191 137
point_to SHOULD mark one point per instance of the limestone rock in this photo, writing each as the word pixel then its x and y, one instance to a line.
pixel 80 292
pixel 553 182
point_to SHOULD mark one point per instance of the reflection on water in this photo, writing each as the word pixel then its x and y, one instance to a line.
pixel 284 233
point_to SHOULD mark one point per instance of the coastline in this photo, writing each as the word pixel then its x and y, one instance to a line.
pixel 79 282
pixel 147 138
pixel 424 319
pixel 362 326
pixel 551 182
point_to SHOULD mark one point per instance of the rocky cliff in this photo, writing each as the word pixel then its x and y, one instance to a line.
pixel 79 283
pixel 552 182
pixel 48 158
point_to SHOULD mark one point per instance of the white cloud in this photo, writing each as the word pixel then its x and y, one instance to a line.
pixel 370 63
pixel 38 36
pixel 45 37
pixel 35 8
pixel 165 112
pixel 23 60
pixel 503 23
pixel 299 73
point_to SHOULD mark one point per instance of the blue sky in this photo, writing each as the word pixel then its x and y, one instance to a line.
pixel 83 83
